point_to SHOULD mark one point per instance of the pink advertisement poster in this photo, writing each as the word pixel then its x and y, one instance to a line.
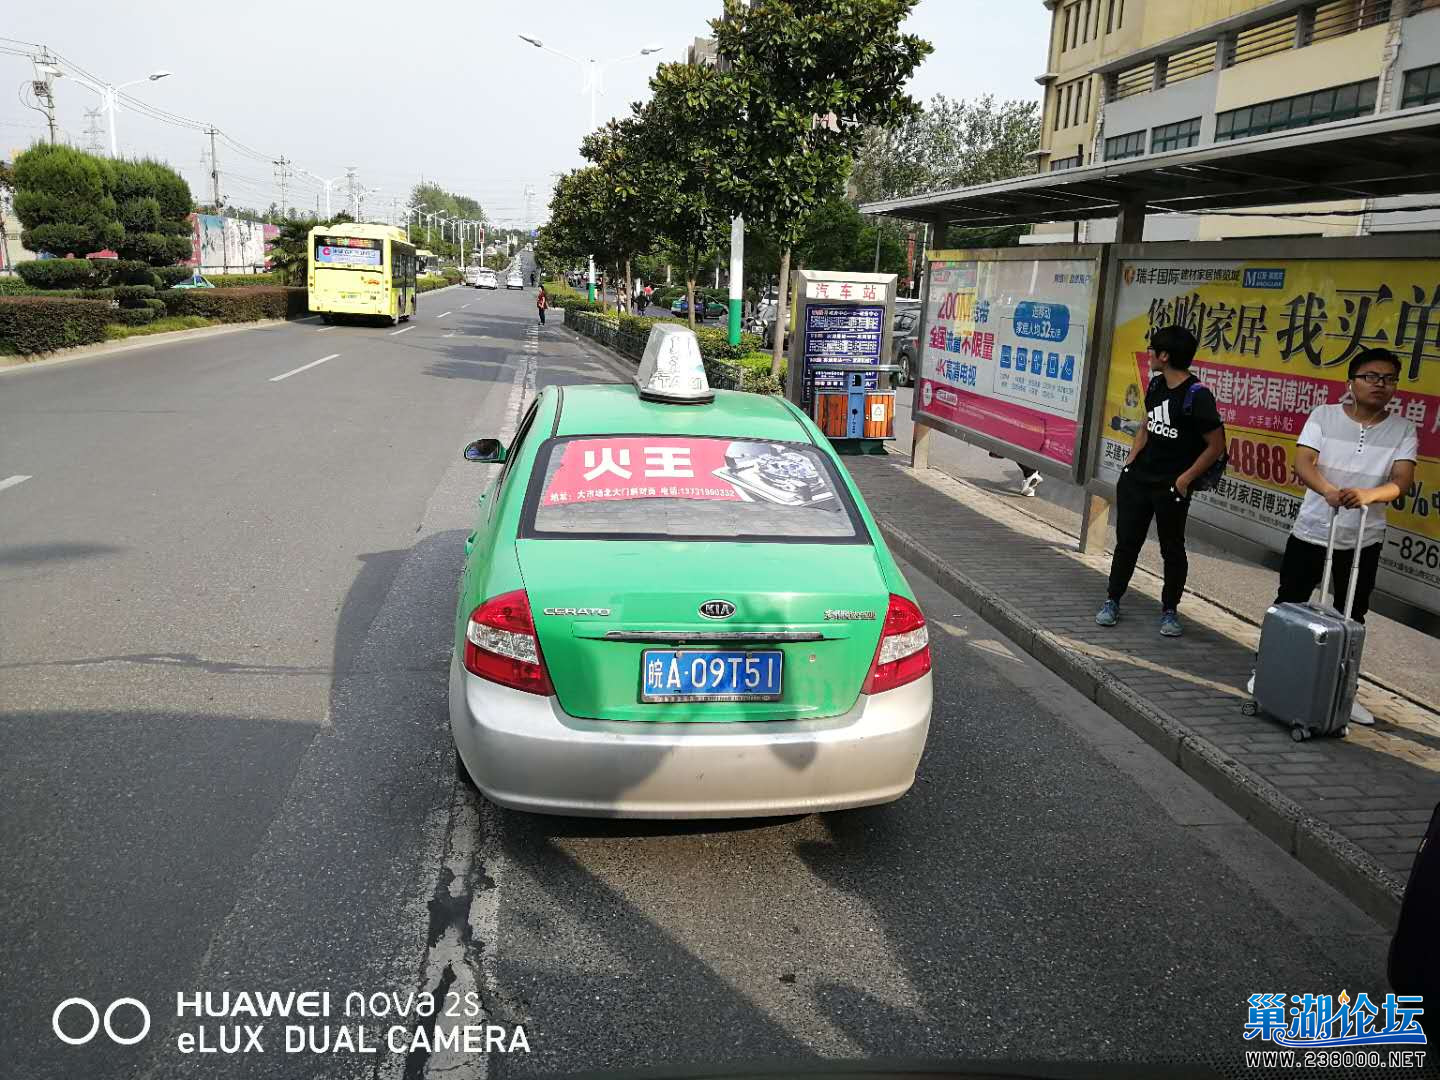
pixel 1003 350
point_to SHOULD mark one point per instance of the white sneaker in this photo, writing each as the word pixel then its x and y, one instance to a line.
pixel 1250 686
pixel 1029 484
pixel 1361 715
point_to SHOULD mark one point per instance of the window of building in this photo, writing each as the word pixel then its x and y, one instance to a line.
pixel 1061 164
pixel 1302 110
pixel 1089 114
pixel 1422 86
pixel 1175 136
pixel 1125 146
pixel 1085 21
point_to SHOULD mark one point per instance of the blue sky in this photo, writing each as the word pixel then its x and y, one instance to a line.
pixel 443 89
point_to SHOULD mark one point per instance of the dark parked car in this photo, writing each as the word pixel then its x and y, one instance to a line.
pixel 905 345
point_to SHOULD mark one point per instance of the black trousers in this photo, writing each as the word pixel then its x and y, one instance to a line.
pixel 1140 499
pixel 542 315
pixel 1304 564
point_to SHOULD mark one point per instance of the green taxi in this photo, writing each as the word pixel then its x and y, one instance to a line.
pixel 675 604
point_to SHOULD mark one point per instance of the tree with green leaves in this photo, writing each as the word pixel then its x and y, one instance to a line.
pixel 626 199
pixel 290 251
pixel 153 203
pixel 948 144
pixel 63 201
pixel 801 86
pixel 675 137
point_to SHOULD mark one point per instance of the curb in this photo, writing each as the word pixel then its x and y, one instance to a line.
pixel 1319 848
pixel 1199 593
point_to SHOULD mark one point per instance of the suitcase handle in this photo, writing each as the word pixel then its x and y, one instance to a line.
pixel 1354 562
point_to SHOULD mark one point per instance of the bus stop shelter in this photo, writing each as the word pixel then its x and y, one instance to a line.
pixel 1395 155
pixel 1039 353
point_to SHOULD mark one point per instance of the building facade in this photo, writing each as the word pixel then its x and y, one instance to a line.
pixel 1128 78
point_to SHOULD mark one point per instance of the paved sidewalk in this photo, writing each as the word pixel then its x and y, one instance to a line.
pixel 1351 809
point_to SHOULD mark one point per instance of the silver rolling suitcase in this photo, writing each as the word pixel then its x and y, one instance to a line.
pixel 1309 663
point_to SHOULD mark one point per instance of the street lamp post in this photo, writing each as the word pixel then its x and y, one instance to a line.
pixel 328 184
pixel 594 70
pixel 110 92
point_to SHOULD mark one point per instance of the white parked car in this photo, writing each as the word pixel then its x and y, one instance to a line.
pixel 485 278
pixel 513 280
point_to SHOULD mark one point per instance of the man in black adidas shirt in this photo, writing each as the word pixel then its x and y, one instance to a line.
pixel 1182 437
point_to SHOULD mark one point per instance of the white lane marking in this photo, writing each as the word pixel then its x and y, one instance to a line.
pixel 323 329
pixel 11 481
pixel 401 330
pixel 442 314
pixel 464 306
pixel 450 334
pixel 305 367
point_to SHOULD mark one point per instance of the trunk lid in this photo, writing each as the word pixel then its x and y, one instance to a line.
pixel 653 590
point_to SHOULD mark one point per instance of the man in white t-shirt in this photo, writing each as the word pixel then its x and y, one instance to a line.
pixel 1349 456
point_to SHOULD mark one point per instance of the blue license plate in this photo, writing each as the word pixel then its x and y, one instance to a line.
pixel 710 675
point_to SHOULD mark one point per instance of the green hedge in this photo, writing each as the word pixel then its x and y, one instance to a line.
pixel 138 316
pixel 234 305
pixel 157 305
pixel 223 281
pixel 58 273
pixel 173 275
pixel 130 295
pixel 562 296
pixel 50 274
pixel 39 324
pixel 742 367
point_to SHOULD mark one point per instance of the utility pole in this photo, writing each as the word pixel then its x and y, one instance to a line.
pixel 529 197
pixel 283 165
pixel 214 169
pixel 43 89
pixel 350 188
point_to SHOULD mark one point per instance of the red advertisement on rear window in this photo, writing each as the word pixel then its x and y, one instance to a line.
pixel 701 488
pixel 597 470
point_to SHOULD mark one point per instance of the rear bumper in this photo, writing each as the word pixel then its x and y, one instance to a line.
pixel 526 753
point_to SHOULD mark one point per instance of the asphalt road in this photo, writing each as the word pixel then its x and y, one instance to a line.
pixel 225 607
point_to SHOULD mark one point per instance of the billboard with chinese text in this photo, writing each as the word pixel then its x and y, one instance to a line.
pixel 1003 350
pixel 1276 337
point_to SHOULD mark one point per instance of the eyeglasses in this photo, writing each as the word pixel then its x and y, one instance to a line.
pixel 1374 378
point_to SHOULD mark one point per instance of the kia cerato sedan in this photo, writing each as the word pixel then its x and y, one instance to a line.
pixel 675 605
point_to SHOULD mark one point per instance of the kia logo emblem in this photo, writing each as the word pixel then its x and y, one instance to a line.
pixel 717 609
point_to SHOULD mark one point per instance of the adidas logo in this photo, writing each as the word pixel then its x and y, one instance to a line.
pixel 1159 421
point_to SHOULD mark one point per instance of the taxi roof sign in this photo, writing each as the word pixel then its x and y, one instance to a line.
pixel 672 369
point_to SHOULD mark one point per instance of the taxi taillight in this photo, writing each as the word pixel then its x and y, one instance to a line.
pixel 903 654
pixel 501 646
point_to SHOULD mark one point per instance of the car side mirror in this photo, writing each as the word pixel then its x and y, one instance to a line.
pixel 486 451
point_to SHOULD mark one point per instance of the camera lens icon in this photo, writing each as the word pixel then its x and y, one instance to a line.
pixel 97 1021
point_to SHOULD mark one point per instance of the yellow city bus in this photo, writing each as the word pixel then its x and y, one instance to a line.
pixel 357 269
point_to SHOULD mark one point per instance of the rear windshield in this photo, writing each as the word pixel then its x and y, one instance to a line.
pixel 660 486
pixel 348 252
